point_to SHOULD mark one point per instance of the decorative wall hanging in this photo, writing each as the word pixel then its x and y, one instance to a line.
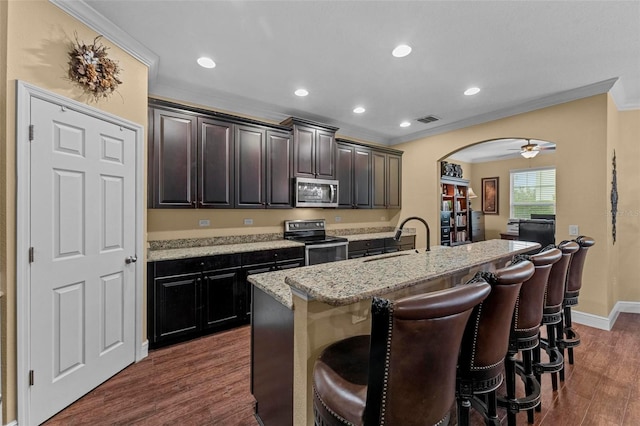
pixel 450 169
pixel 490 195
pixel 92 69
pixel 614 197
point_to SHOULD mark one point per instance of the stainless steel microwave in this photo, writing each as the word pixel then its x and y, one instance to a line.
pixel 316 192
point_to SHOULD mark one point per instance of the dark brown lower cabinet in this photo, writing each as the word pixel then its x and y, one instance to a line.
pixel 187 298
pixel 375 246
pixel 222 299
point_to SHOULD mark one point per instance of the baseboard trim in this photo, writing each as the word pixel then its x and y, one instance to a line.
pixel 13 423
pixel 144 350
pixel 605 323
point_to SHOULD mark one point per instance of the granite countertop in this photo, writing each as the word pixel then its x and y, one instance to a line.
pixel 349 281
pixel 186 252
pixel 183 249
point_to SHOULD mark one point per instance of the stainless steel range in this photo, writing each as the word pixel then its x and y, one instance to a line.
pixel 319 247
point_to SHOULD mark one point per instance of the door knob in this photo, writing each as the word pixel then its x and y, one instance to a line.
pixel 131 259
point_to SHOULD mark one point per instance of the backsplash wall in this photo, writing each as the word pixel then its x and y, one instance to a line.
pixel 167 224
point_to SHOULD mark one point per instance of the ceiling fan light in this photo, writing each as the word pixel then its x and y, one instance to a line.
pixel 529 153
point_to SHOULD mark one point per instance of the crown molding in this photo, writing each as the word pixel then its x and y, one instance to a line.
pixel 535 104
pixel 229 102
pixel 97 22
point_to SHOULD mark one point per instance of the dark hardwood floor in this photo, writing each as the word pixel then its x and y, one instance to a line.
pixel 206 382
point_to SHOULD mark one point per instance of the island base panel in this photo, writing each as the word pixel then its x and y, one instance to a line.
pixel 271 359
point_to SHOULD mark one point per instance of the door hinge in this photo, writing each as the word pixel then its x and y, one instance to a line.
pixel 31 380
pixel 31 254
pixel 30 132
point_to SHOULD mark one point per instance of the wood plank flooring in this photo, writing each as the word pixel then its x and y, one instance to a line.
pixel 206 382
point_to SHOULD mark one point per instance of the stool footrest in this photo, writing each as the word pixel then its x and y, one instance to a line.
pixel 571 340
pixel 555 364
pixel 527 402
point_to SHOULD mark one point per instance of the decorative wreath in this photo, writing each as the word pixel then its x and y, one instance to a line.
pixel 90 67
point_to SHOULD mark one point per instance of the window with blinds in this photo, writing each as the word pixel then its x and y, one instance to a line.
pixel 533 191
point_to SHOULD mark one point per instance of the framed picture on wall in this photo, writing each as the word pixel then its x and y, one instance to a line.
pixel 490 195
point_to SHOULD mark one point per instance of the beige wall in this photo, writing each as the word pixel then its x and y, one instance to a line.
pixel 165 224
pixel 36 36
pixel 572 126
pixel 628 218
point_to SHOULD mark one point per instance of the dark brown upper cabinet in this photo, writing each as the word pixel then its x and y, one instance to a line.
pixel 215 164
pixel 387 180
pixel 353 172
pixel 172 154
pixel 263 170
pixel 314 149
pixel 205 159
pixel 190 161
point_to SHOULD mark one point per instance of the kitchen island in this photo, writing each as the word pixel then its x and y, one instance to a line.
pixel 297 313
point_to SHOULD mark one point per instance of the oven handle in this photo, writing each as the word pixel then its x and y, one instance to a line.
pixel 326 245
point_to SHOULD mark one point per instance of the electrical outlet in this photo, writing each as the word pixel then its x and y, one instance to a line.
pixel 248 221
pixel 204 222
pixel 573 230
pixel 383 218
pixel 338 219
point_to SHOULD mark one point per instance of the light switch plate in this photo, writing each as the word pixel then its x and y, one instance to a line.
pixel 573 230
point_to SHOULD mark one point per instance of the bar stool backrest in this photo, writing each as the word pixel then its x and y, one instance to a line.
pixel 558 276
pixel 527 315
pixel 574 277
pixel 413 353
pixel 486 337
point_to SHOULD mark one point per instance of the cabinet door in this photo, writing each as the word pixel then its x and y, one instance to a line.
pixel 362 178
pixel 175 307
pixel 325 155
pixel 394 181
pixel 215 168
pixel 344 175
pixel 173 160
pixel 278 179
pixel 221 298
pixel 303 151
pixel 379 189
pixel 250 167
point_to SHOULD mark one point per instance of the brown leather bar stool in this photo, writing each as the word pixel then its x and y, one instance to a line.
pixel 552 315
pixel 485 343
pixel 404 373
pixel 567 337
pixel 523 338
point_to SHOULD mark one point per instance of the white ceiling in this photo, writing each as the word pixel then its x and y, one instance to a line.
pixel 498 149
pixel 523 55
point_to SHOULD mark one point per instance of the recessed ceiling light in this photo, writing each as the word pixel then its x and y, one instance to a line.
pixel 206 62
pixel 401 51
pixel 472 91
pixel 405 124
pixel 359 110
pixel 301 92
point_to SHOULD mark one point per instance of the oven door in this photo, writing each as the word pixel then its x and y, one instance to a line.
pixel 315 254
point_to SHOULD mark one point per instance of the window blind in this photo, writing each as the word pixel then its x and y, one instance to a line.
pixel 533 191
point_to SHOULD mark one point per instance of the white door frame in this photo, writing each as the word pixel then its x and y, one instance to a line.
pixel 24 93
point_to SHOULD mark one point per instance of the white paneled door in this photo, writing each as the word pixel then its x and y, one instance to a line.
pixel 82 271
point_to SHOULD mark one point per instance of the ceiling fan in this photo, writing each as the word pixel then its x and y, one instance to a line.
pixel 530 150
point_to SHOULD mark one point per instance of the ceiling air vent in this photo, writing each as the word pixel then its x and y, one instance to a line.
pixel 428 119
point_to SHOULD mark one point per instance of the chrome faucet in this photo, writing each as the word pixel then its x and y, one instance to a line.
pixel 399 231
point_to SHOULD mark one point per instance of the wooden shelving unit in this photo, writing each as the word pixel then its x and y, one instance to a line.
pixel 455 224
